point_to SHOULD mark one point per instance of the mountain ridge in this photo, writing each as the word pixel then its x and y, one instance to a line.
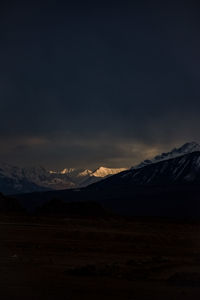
pixel 14 179
pixel 169 187
pixel 186 148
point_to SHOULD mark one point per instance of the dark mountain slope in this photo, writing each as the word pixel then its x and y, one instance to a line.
pixel 180 170
pixel 170 187
pixel 9 205
pixel 9 186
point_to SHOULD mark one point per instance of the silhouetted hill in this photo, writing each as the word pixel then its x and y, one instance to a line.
pixel 9 205
pixel 80 209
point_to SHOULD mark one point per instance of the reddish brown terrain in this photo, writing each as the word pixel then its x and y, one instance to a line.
pixel 103 258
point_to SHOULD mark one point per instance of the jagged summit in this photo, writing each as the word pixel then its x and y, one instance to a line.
pixel 103 171
pixel 15 179
pixel 186 148
pixel 19 180
pixel 86 172
pixel 179 167
pixel 99 172
pixel 67 171
pixel 176 152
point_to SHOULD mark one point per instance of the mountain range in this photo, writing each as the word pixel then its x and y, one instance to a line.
pixel 167 185
pixel 180 166
pixel 14 180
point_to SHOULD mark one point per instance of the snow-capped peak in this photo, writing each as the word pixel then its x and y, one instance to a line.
pixel 185 149
pixel 189 148
pixel 67 171
pixel 86 172
pixel 81 173
pixel 103 171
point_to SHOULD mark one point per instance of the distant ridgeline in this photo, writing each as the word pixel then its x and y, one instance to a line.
pixel 16 180
pixel 167 185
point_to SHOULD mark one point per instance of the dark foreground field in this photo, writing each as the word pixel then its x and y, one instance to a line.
pixel 110 258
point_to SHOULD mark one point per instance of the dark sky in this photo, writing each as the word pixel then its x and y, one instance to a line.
pixel 97 83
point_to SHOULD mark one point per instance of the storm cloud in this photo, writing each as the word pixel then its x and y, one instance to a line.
pixel 85 84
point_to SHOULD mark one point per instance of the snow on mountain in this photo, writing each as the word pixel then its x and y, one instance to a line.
pixel 39 178
pixel 99 172
pixel 84 173
pixel 73 172
pixel 180 167
pixel 181 164
pixel 176 152
pixel 104 172
pixel 67 171
pixel 15 179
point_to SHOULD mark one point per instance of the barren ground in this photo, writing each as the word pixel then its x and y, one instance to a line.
pixel 111 258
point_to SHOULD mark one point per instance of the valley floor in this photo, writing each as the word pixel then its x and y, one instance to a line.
pixel 110 258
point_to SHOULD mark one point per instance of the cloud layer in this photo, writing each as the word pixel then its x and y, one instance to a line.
pixel 111 85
